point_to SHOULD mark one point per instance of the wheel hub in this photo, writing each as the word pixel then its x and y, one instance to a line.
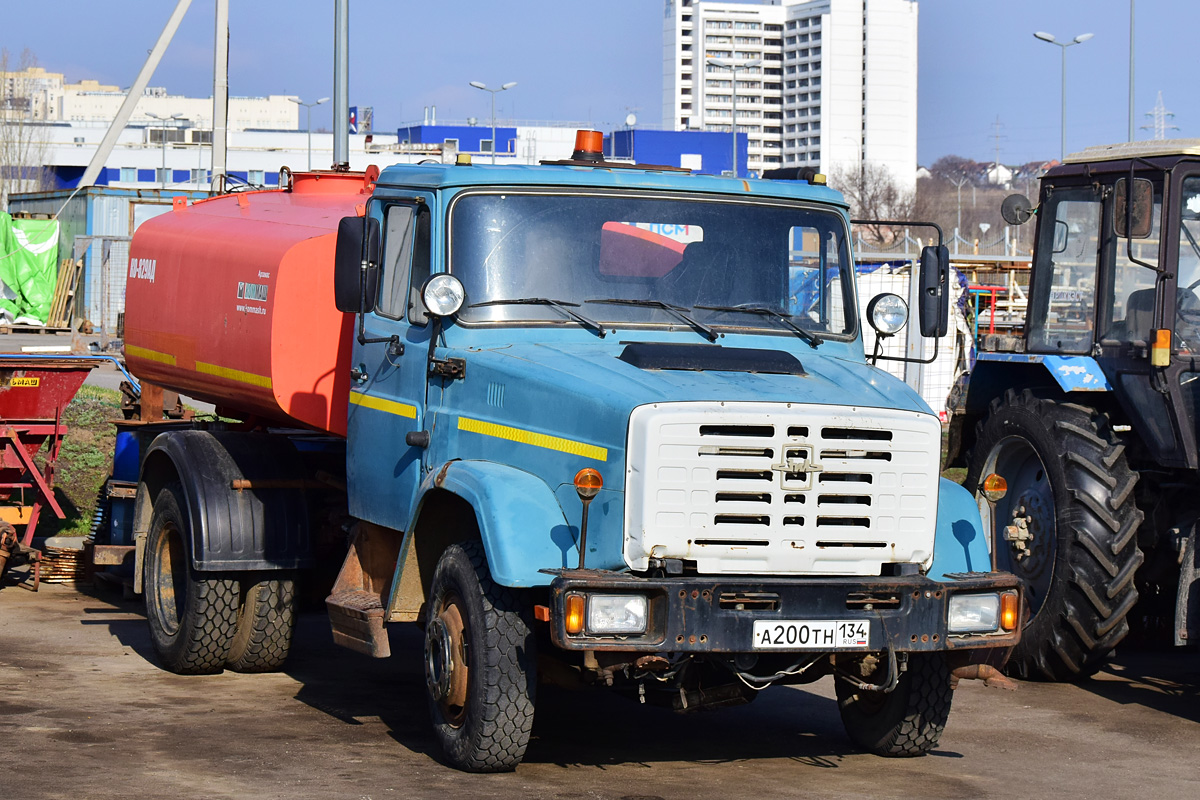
pixel 445 661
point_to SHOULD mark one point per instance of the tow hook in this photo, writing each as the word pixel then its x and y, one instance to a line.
pixel 982 672
pixel 1018 535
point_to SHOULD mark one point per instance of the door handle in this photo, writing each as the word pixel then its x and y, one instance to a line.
pixel 359 374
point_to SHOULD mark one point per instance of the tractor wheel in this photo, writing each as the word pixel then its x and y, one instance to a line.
pixel 265 620
pixel 479 664
pixel 907 721
pixel 192 615
pixel 1067 526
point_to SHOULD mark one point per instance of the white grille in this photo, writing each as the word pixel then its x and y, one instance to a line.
pixel 781 488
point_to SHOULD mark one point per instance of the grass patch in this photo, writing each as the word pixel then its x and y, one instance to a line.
pixel 85 460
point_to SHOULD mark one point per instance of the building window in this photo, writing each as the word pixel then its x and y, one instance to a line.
pixel 256 177
pixel 485 145
pixel 128 174
pixel 687 62
pixel 162 176
pixel 448 143
pixel 687 76
pixel 199 176
pixel 791 26
pixel 685 106
pixel 772 28
pixel 687 48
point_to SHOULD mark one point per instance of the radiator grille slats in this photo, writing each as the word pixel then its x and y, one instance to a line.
pixel 781 488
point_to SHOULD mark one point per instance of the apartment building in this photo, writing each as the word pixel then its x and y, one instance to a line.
pixel 824 83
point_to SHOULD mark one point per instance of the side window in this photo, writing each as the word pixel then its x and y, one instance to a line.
pixel 1068 252
pixel 420 268
pixel 1131 302
pixel 397 261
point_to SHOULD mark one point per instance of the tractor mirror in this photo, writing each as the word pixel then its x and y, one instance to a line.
pixel 1134 218
pixel 1016 209
pixel 934 310
pixel 357 242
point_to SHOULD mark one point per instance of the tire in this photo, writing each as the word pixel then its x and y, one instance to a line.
pixel 479 664
pixel 265 620
pixel 1067 470
pixel 909 720
pixel 192 615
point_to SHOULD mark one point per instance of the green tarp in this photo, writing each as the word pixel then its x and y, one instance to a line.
pixel 28 269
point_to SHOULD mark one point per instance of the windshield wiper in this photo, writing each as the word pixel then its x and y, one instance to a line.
pixel 678 311
pixel 557 305
pixel 763 311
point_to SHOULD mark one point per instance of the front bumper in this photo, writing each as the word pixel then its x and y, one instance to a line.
pixel 716 615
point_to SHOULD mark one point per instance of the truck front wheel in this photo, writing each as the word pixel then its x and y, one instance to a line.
pixel 1067 527
pixel 479 664
pixel 192 614
pixel 907 721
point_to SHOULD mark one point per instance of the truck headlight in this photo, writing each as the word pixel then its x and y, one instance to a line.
pixel 974 613
pixel 616 613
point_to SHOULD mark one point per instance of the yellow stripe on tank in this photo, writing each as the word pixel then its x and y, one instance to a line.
pixel 233 374
pixel 379 404
pixel 149 355
pixel 535 439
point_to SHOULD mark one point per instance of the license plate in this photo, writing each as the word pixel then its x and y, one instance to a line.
pixel 811 634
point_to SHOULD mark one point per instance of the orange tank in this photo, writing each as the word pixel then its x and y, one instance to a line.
pixel 230 301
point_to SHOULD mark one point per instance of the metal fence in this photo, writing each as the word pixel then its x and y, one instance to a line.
pixel 102 301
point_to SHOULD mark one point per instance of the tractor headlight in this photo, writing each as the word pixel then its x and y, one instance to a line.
pixel 616 613
pixel 974 613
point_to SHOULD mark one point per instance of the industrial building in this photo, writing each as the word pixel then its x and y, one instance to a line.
pixel 823 83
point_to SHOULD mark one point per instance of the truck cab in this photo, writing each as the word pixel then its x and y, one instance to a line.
pixel 606 425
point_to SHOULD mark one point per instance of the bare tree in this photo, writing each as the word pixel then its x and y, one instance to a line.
pixel 872 192
pixel 22 146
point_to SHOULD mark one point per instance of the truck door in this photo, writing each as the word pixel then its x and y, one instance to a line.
pixel 387 390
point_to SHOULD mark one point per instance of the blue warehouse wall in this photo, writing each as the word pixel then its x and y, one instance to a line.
pixel 679 149
pixel 468 136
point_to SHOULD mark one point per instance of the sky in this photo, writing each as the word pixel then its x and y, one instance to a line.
pixel 982 74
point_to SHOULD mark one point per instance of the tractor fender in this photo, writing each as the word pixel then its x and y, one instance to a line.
pixel 521 523
pixel 960 543
pixel 233 529
pixel 995 372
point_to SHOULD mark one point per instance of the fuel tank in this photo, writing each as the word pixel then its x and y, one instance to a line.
pixel 230 300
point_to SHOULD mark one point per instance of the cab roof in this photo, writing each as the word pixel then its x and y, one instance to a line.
pixel 454 176
pixel 1128 150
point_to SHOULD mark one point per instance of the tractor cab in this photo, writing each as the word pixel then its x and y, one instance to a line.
pixel 1113 300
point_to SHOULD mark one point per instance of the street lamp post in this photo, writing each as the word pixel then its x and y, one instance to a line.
pixel 164 120
pixel 734 69
pixel 1080 39
pixel 493 92
pixel 308 122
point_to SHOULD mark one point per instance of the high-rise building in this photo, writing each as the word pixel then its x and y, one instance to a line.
pixel 824 83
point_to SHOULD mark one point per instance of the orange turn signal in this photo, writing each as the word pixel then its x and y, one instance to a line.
pixel 574 615
pixel 1009 607
pixel 588 483
pixel 994 487
pixel 1160 348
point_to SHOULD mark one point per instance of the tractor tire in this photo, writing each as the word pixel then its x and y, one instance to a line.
pixel 1070 508
pixel 907 721
pixel 479 664
pixel 265 620
pixel 192 615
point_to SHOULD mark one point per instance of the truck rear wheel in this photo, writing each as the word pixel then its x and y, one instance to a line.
pixel 1071 529
pixel 907 721
pixel 479 664
pixel 265 620
pixel 192 614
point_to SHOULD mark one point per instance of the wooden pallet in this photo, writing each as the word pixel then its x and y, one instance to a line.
pixel 64 293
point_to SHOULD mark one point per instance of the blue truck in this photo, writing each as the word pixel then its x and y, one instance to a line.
pixel 598 423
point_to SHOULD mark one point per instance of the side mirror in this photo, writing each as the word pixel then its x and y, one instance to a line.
pixel 1134 219
pixel 1016 209
pixel 934 310
pixel 353 286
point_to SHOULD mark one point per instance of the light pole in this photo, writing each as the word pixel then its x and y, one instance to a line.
pixel 733 71
pixel 164 120
pixel 481 85
pixel 1080 39
pixel 308 122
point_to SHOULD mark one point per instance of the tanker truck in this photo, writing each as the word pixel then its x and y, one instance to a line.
pixel 582 422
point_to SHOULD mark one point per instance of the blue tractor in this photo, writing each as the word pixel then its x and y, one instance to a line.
pixel 1090 418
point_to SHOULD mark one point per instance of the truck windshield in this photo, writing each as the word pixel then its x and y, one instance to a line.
pixel 681 255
